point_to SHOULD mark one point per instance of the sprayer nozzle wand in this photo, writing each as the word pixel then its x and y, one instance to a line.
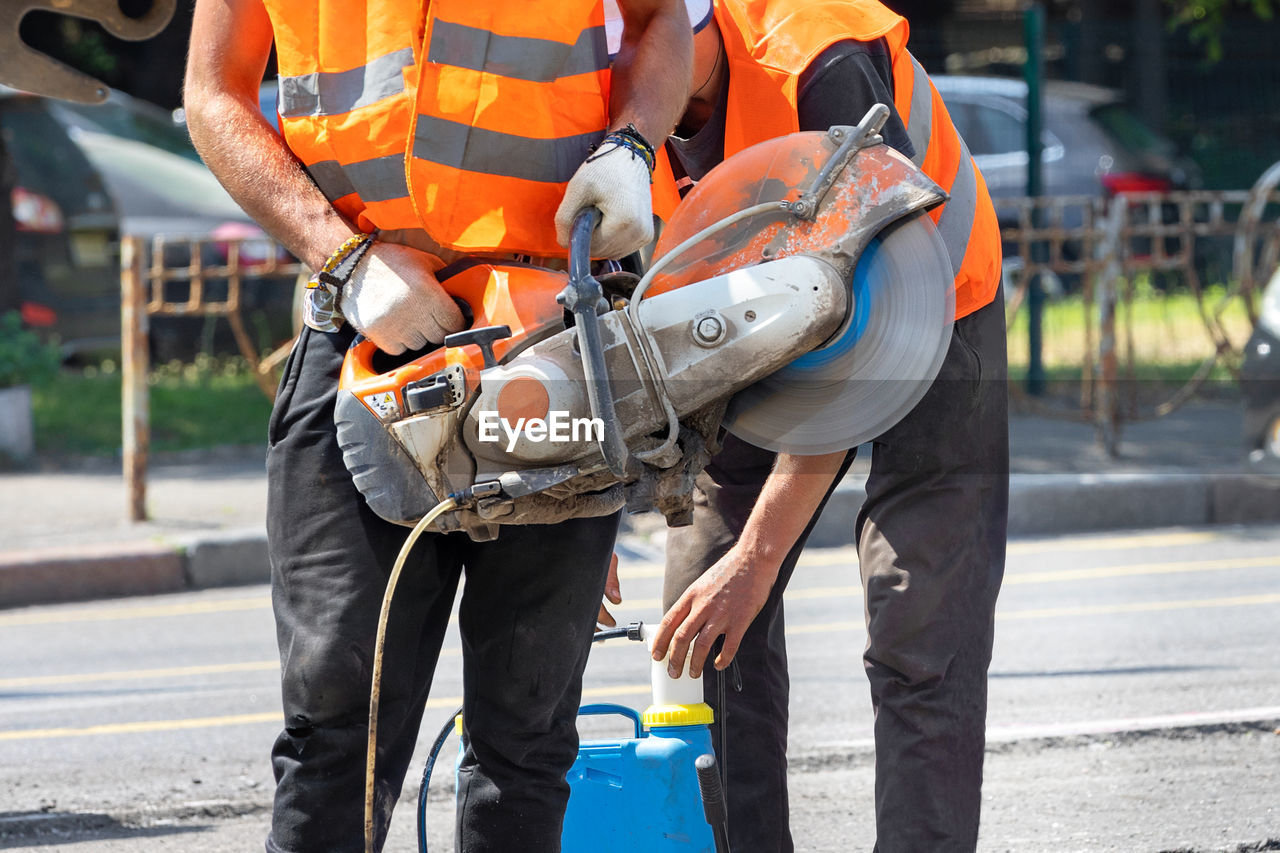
pixel 633 631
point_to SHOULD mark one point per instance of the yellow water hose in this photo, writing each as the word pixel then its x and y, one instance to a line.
pixel 371 753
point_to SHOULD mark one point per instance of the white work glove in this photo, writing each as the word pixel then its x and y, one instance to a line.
pixel 614 179
pixel 394 300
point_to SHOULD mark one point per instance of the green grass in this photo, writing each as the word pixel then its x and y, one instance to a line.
pixel 1170 338
pixel 208 404
pixel 215 402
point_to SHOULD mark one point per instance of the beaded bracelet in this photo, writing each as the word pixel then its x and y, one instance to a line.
pixel 352 249
pixel 630 139
pixel 320 309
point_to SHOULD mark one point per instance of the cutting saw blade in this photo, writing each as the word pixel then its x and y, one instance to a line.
pixel 875 369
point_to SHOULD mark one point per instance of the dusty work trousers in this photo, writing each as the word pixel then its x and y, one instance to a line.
pixel 931 543
pixel 526 617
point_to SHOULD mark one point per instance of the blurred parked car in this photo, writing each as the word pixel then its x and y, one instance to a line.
pixel 1260 377
pixel 88 174
pixel 1093 144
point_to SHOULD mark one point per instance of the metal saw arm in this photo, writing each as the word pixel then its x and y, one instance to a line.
pixel 23 67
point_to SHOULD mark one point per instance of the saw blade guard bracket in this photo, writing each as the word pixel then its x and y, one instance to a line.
pixel 850 140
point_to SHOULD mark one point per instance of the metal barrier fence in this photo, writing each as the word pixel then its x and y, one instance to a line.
pixel 1104 243
pixel 1108 244
pixel 144 276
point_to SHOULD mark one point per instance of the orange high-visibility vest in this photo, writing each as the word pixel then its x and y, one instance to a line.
pixel 466 120
pixel 769 43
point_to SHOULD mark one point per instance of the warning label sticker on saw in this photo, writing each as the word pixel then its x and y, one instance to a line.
pixel 383 404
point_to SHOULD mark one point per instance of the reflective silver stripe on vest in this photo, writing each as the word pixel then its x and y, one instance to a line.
pixel 331 93
pixel 920 122
pixel 536 60
pixel 492 153
pixel 379 179
pixel 956 223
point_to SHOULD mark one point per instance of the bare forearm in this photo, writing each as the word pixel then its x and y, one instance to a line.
pixel 231 40
pixel 262 175
pixel 651 72
pixel 787 502
pixel 733 590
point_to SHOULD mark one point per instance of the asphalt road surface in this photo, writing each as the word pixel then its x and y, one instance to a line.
pixel 1135 706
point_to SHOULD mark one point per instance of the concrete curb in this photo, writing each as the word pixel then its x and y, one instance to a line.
pixel 1242 499
pixel 226 558
pixel 87 572
pixel 111 570
pixel 1049 504
pixel 1040 504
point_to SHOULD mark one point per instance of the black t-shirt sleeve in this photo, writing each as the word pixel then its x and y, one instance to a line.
pixel 845 81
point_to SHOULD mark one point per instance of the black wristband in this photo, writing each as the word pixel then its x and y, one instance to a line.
pixel 632 140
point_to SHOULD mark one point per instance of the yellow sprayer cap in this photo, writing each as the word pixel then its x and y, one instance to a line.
pixel 678 715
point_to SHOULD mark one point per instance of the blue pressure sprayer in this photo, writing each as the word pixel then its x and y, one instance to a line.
pixel 647 792
pixel 658 791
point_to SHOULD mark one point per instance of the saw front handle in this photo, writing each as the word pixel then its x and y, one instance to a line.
pixel 583 298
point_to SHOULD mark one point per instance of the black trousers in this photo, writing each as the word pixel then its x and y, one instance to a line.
pixel 931 548
pixel 526 617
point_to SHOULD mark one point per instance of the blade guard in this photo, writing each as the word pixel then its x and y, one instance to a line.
pixel 829 196
pixel 850 202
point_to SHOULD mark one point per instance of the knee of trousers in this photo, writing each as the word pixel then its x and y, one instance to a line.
pixel 951 668
pixel 911 659
pixel 520 755
pixel 325 684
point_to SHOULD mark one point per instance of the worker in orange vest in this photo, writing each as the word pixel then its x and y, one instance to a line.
pixel 412 136
pixel 931 533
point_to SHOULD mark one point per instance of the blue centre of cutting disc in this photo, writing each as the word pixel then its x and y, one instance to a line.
pixel 852 333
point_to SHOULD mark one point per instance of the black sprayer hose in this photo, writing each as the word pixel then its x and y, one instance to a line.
pixel 723 709
pixel 426 778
